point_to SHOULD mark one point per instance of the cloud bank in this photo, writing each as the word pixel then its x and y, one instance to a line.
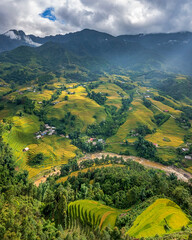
pixel 46 17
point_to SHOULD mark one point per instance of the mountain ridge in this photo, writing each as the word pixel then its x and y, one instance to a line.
pixel 165 51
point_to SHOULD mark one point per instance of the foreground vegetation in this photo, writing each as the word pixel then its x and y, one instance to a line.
pixel 52 209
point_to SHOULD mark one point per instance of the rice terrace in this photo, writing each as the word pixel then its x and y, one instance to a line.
pixel 95 124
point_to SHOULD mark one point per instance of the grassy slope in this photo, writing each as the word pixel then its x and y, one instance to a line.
pixel 169 130
pixel 106 215
pixel 57 150
pixel 79 105
pixel 112 90
pixel 4 90
pixel 37 96
pixel 137 115
pixel 164 107
pixel 9 110
pixel 152 221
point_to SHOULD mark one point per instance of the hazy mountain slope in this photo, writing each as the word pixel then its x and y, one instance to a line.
pixel 170 52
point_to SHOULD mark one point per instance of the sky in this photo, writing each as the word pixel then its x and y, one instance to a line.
pixel 117 17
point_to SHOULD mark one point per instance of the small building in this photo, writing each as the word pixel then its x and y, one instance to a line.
pixel 166 110
pixel 51 132
pixel 188 157
pixel 155 144
pixel 38 136
pixel 185 149
pixel 44 133
pixel 26 149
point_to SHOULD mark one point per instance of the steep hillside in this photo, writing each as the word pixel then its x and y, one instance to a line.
pixel 93 213
pixel 163 216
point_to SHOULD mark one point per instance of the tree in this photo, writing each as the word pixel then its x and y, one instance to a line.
pixel 38 159
pixel 145 149
pixel 190 236
pixel 66 98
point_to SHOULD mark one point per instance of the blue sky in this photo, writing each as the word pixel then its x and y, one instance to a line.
pixel 49 13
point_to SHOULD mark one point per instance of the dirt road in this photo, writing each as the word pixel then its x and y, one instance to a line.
pixel 44 178
pixel 181 174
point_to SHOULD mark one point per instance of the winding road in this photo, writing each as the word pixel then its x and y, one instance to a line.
pixel 180 173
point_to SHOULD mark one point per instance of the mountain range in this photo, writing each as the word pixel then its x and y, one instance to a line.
pixel 164 51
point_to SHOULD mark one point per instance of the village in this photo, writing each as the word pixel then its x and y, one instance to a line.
pixel 49 130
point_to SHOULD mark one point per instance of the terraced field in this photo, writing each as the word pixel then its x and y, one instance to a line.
pixel 164 107
pixel 9 110
pixel 113 91
pixel 86 110
pixel 95 213
pixel 37 96
pixel 4 90
pixel 169 130
pixel 163 216
pixel 138 115
pixel 57 150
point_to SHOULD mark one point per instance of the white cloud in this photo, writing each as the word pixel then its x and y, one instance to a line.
pixel 115 17
pixel 12 35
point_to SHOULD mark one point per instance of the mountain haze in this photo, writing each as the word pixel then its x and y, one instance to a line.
pixel 166 52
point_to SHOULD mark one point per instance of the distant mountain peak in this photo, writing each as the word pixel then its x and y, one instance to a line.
pixel 20 36
pixel 14 34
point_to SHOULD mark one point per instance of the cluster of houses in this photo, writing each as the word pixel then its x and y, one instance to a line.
pixel 133 133
pixel 48 131
pixel 187 156
pixel 94 141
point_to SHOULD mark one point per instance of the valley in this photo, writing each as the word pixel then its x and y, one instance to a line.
pixel 95 141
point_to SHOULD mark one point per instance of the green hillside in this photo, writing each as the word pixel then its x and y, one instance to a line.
pixel 56 150
pixel 163 216
pixel 94 213
pixel 85 109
